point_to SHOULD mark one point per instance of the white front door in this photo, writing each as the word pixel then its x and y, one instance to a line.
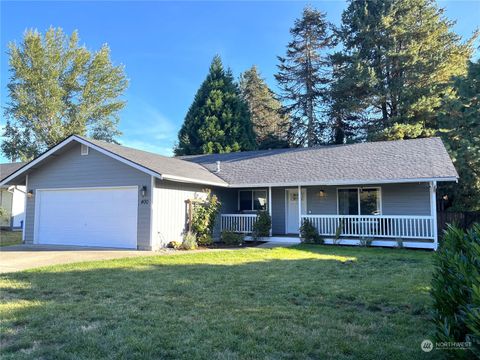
pixel 292 220
pixel 87 217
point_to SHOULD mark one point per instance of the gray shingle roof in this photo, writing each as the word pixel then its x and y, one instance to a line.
pixel 382 161
pixel 375 162
pixel 163 165
pixel 9 168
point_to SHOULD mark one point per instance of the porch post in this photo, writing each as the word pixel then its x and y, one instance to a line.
pixel 299 208
pixel 433 212
pixel 270 207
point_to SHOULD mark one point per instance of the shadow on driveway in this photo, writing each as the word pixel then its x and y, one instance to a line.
pixel 22 257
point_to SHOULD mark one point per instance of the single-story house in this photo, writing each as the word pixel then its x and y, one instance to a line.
pixel 92 193
pixel 12 199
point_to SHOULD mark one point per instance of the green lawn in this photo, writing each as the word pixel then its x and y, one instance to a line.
pixel 302 302
pixel 10 237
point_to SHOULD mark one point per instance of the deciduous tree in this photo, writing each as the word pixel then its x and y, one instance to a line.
pixel 58 88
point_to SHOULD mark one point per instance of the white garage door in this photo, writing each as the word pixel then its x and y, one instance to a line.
pixel 87 217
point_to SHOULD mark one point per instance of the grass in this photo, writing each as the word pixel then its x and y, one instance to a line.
pixel 302 302
pixel 8 238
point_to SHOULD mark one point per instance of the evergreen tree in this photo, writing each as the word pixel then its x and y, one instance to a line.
pixel 344 109
pixel 403 54
pixel 460 122
pixel 304 76
pixel 218 121
pixel 58 88
pixel 265 110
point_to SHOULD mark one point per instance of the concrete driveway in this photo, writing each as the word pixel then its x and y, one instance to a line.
pixel 23 257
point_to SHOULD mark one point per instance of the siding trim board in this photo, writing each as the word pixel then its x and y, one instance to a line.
pixel 25 210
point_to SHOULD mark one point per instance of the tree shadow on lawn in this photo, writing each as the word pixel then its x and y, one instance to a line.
pixel 182 307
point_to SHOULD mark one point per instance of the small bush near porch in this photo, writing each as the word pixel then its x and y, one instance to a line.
pixel 301 302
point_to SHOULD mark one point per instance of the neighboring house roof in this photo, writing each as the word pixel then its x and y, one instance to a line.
pixel 363 163
pixel 9 168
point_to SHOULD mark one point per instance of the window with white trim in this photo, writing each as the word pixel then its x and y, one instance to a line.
pixel 359 201
pixel 252 200
pixel 83 149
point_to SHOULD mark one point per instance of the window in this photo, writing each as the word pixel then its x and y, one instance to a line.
pixel 348 201
pixel 252 200
pixel 359 201
pixel 84 150
pixel 245 200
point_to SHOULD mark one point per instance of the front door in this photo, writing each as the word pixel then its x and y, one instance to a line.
pixel 292 221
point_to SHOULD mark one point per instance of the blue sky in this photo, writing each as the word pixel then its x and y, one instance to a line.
pixel 166 48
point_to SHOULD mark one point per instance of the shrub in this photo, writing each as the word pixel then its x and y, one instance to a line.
pixel 366 242
pixel 456 289
pixel 174 245
pixel 309 233
pixel 262 225
pixel 3 213
pixel 203 217
pixel 205 240
pixel 338 232
pixel 189 241
pixel 232 238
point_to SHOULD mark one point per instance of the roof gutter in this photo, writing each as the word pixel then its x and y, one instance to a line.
pixel 345 182
pixel 192 181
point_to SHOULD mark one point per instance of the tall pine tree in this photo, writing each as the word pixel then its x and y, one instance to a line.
pixel 403 54
pixel 344 110
pixel 265 110
pixel 460 123
pixel 304 75
pixel 218 121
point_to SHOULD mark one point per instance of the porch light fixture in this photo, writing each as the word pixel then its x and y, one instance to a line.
pixel 144 190
pixel 321 193
pixel 30 193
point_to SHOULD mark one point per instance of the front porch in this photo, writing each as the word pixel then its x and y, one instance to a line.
pixel 384 214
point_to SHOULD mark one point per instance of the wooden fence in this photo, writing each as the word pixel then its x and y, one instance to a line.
pixel 463 219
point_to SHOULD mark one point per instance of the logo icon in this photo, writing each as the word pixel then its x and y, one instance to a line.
pixel 426 345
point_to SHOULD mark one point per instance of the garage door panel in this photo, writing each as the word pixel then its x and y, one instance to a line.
pixel 88 217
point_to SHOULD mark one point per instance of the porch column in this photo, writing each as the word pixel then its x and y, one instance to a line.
pixel 270 207
pixel 299 208
pixel 433 212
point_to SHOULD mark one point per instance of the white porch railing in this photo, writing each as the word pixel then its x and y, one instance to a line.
pixel 241 223
pixel 375 226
